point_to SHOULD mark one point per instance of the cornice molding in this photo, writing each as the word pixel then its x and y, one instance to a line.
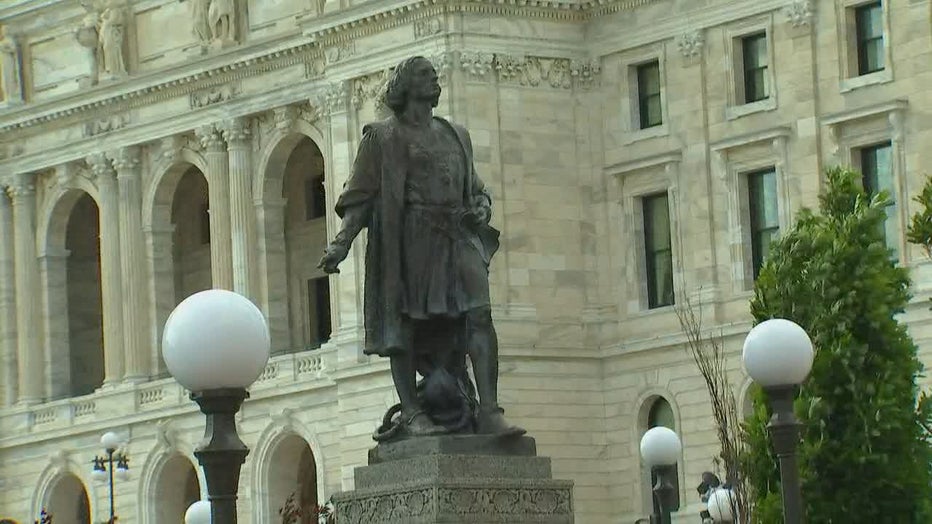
pixel 75 108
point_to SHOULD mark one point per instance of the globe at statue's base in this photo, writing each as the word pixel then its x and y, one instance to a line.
pixel 466 479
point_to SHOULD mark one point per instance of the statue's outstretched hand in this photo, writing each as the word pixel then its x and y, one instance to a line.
pixel 333 255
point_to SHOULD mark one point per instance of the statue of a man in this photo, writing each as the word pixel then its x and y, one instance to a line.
pixel 415 188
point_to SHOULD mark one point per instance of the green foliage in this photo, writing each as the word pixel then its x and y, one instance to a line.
pixel 864 456
pixel 920 228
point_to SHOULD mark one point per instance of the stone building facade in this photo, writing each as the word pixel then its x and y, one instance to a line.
pixel 640 154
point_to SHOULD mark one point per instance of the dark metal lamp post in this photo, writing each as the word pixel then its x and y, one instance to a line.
pixel 661 449
pixel 215 344
pixel 778 355
pixel 104 468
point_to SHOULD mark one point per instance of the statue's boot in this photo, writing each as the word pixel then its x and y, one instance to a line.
pixel 492 422
pixel 420 425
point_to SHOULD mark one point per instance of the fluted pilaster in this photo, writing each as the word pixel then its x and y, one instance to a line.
pixel 22 191
pixel 110 271
pixel 7 300
pixel 242 219
pixel 135 321
pixel 218 192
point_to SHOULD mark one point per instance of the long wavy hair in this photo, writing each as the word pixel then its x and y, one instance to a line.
pixel 395 96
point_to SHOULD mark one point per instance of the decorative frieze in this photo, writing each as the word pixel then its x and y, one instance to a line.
pixel 799 13
pixel 213 95
pixel 691 44
pixel 443 63
pixel 340 51
pixel 476 64
pixel 585 72
pixel 426 27
pixel 105 125
pixel 534 71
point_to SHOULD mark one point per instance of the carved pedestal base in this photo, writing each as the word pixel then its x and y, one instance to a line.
pixel 456 479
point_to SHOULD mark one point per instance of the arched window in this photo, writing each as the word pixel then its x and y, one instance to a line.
pixel 661 414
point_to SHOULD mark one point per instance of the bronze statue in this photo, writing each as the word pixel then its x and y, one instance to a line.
pixel 427 307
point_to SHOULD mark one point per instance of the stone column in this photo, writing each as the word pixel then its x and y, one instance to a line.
pixel 132 269
pixel 111 287
pixel 7 301
pixel 218 184
pixel 26 269
pixel 242 218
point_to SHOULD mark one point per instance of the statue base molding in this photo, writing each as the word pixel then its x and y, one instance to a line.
pixel 462 479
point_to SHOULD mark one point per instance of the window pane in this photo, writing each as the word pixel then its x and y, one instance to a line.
pixel 658 252
pixel 651 112
pixel 873 55
pixel 764 217
pixel 649 79
pixel 869 21
pixel 755 51
pixel 877 175
pixel 755 85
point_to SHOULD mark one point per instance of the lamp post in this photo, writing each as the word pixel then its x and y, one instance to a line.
pixel 215 344
pixel 778 356
pixel 104 469
pixel 198 513
pixel 660 449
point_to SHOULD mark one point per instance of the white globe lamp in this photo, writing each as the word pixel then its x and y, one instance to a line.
pixel 660 446
pixel 198 513
pixel 215 339
pixel 720 505
pixel 778 352
pixel 110 441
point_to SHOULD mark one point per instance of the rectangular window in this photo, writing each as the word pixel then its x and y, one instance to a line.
pixel 764 219
pixel 658 250
pixel 877 176
pixel 755 63
pixel 649 103
pixel 318 299
pixel 868 19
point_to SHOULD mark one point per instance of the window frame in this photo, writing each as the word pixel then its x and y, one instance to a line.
pixel 737 105
pixel 851 77
pixel 628 93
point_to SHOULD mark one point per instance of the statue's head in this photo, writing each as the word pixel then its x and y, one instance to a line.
pixel 414 79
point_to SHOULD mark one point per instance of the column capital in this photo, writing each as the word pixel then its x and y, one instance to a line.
pixel 236 131
pixel 211 138
pixel 125 159
pixel 101 166
pixel 20 185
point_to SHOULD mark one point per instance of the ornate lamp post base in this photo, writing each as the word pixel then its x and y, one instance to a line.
pixel 224 453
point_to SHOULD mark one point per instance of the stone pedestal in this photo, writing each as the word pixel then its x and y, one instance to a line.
pixel 463 479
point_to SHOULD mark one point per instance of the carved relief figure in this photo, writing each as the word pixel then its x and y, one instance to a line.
pixel 427 304
pixel 110 42
pixel 201 21
pixel 10 80
pixel 220 15
pixel 86 35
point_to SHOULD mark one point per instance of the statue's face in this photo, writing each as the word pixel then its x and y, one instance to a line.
pixel 423 84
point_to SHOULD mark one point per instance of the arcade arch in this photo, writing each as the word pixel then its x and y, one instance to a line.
pixel 67 501
pixel 292 473
pixel 176 488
